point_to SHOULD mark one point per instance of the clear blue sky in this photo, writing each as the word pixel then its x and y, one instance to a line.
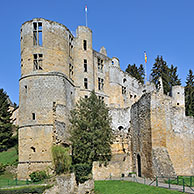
pixel 125 28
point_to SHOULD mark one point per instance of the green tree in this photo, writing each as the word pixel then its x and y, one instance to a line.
pixel 5 122
pixel 189 94
pixel 90 131
pixel 136 72
pixel 169 75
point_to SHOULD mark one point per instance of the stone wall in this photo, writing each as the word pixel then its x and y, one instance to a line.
pixel 66 184
pixel 141 137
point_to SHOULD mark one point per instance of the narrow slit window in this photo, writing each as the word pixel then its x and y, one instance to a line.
pixel 85 65
pixel 85 44
pixel 70 71
pixel 26 88
pixel 33 116
pixel 85 83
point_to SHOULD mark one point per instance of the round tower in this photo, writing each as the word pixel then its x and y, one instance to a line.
pixel 45 60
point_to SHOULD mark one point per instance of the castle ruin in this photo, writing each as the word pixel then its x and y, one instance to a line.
pixel 153 135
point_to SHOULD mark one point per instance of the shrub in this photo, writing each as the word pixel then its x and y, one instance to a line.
pixel 61 158
pixel 38 176
pixel 82 172
pixel 2 168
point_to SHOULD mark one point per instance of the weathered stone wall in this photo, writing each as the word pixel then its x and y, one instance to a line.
pixel 40 95
pixel 141 136
pixel 120 165
pixel 66 184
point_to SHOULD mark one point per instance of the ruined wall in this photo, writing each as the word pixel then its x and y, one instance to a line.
pixel 121 161
pixel 141 136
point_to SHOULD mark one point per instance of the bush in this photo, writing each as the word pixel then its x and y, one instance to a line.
pixel 61 158
pixel 82 172
pixel 29 189
pixel 38 176
pixel 2 168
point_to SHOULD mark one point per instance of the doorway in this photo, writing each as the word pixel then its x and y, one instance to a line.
pixel 139 165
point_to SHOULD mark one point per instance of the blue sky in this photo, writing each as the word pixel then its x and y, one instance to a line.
pixel 125 28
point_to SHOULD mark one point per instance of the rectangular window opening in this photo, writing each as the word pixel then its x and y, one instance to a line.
pixel 100 84
pixel 37 33
pixel 33 116
pixel 38 58
pixel 85 83
pixel 85 44
pixel 85 65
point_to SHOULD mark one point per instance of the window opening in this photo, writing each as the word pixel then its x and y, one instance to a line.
pixel 124 80
pixel 100 65
pixel 124 90
pixel 33 116
pixel 85 44
pixel 85 65
pixel 85 83
pixel 33 149
pixel 38 58
pixel 70 71
pixel 37 33
pixel 26 88
pixel 100 84
pixel 86 96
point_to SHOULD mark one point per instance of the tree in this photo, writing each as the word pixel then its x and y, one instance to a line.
pixel 169 75
pixel 90 131
pixel 5 122
pixel 136 72
pixel 189 94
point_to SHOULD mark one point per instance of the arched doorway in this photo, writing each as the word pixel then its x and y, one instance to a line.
pixel 139 165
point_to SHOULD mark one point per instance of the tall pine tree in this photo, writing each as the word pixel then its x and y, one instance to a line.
pixel 189 94
pixel 5 122
pixel 169 75
pixel 136 72
pixel 90 131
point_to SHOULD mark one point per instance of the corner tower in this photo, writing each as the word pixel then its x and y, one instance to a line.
pixel 46 56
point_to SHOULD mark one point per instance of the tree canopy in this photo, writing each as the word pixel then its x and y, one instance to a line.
pixel 90 131
pixel 136 72
pixel 169 75
pixel 5 122
pixel 189 94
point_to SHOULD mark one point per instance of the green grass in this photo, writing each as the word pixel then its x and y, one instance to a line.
pixel 187 181
pixel 9 157
pixel 125 187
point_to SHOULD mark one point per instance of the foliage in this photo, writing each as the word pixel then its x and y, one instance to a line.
pixel 136 72
pixel 90 131
pixel 9 157
pixel 189 94
pixel 61 158
pixel 169 75
pixel 82 172
pixel 2 168
pixel 126 187
pixel 26 189
pixel 38 176
pixel 5 122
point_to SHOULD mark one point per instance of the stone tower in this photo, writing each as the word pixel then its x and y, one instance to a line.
pixel 44 84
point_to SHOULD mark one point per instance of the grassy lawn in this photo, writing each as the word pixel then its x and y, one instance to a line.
pixel 125 187
pixel 9 157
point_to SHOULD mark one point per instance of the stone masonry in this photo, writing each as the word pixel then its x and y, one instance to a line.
pixel 58 68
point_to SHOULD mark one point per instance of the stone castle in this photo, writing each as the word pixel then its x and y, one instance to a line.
pixel 153 135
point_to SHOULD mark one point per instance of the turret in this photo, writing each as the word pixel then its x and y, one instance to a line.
pixel 178 96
